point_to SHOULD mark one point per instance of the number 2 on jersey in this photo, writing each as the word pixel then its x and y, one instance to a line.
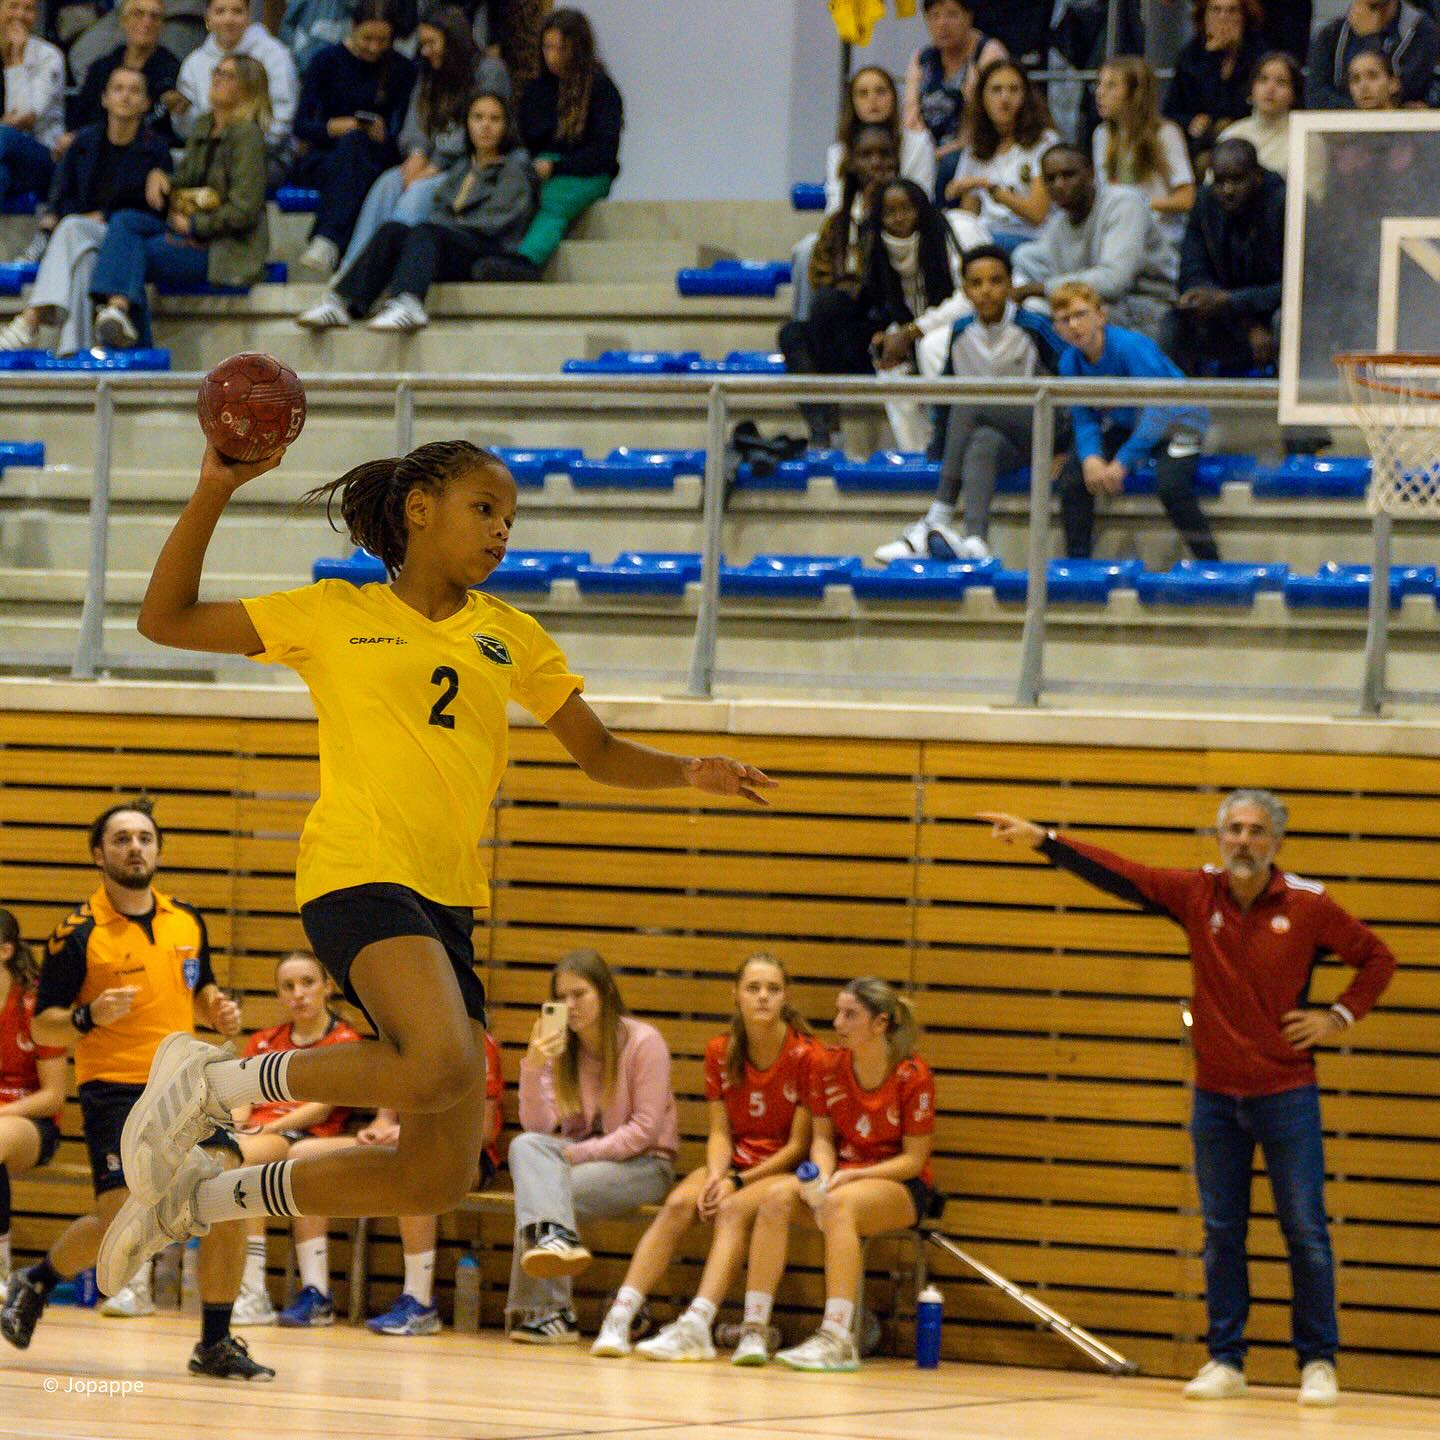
pixel 445 676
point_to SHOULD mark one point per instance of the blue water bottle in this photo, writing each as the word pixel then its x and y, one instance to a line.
pixel 929 1314
pixel 86 1291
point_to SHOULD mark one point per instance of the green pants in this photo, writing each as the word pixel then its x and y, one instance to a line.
pixel 563 200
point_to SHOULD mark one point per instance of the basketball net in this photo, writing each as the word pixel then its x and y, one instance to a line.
pixel 1396 399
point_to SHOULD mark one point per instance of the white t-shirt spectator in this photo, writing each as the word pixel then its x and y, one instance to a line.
pixel 261 45
pixel 1271 139
pixel 1012 169
pixel 37 86
pixel 917 163
pixel 1175 164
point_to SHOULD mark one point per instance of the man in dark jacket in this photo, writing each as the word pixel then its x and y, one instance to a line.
pixel 1403 31
pixel 1230 267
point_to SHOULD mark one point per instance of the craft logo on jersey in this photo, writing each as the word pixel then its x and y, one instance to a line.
pixel 189 965
pixel 493 649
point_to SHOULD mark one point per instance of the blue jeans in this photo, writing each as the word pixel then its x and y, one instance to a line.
pixel 25 164
pixel 1287 1128
pixel 138 247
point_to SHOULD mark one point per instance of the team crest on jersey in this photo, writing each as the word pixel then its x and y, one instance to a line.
pixel 1280 924
pixel 493 649
pixel 189 965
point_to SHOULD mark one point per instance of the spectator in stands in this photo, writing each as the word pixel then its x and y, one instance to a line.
pixel 284 1129
pixel 1109 239
pixel 873 1102
pixel 940 80
pixel 105 170
pixel 432 138
pixel 32 102
pixel 1371 80
pixel 1211 84
pixel 570 117
pixel 1254 935
pixel 755 1078
pixel 872 99
pixel 1230 268
pixel 309 26
pixel 999 341
pixel 33 1081
pixel 835 337
pixel 1134 146
pixel 215 228
pixel 141 21
pixel 1276 88
pixel 998 177
pixel 415 1312
pixel 480 209
pixel 1406 34
pixel 600 1139
pixel 352 101
pixel 1111 441
pixel 231 33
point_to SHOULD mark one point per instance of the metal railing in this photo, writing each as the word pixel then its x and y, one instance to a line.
pixel 719 396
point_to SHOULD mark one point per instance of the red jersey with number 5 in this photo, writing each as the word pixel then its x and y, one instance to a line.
pixel 19 1076
pixel 870 1125
pixel 761 1110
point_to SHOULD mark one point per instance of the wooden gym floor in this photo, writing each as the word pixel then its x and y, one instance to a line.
pixel 347 1384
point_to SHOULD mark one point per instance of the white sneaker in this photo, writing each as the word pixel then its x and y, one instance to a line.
pixel 1318 1385
pixel 825 1350
pixel 1215 1381
pixel 910 545
pixel 320 257
pixel 329 314
pixel 751 1349
pixel 19 334
pixel 114 329
pixel 140 1231
pixel 687 1338
pixel 134 1299
pixel 613 1341
pixel 252 1307
pixel 400 316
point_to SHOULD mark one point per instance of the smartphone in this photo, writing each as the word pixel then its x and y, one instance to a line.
pixel 554 1017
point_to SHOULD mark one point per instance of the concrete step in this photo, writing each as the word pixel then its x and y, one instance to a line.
pixel 611 261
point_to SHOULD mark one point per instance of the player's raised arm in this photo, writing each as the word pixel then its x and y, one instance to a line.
pixel 172 612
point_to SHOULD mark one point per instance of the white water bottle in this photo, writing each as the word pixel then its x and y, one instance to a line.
pixel 812 1183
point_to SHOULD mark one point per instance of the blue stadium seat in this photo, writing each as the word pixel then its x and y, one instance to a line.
pixel 734 277
pixel 530 467
pixel 923 579
pixel 807 196
pixel 1347 587
pixel 1072 581
pixel 16 274
pixel 741 362
pixel 293 200
pixel 789 474
pixel 531 572
pixel 359 568
pixel 792 575
pixel 22 452
pixel 276 272
pixel 887 471
pixel 1310 477
pixel 636 469
pixel 640 572
pixel 633 362
pixel 1211 473
pixel 1205 582
pixel 23 204
pixel 100 360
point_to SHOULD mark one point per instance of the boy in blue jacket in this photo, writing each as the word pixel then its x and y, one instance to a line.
pixel 1111 441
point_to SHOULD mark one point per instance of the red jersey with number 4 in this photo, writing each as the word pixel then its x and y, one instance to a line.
pixel 277 1038
pixel 18 1050
pixel 761 1109
pixel 870 1125
pixel 494 1090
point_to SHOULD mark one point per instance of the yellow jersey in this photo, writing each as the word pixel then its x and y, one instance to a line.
pixel 413 729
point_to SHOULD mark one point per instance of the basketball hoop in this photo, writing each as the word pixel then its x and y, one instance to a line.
pixel 1396 398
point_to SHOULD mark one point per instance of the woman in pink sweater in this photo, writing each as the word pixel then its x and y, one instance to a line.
pixel 600 1139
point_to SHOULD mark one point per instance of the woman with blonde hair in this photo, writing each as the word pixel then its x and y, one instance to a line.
pixel 214 232
pixel 601 1135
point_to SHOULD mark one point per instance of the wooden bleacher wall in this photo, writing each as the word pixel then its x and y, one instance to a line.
pixel 1051 1014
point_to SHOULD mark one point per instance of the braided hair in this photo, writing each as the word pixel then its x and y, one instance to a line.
pixel 372 495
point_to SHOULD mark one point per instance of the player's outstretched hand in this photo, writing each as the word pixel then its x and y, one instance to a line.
pixel 719 775
pixel 1011 828
pixel 230 475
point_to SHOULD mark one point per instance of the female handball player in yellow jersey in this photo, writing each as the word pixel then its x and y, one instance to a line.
pixel 410 681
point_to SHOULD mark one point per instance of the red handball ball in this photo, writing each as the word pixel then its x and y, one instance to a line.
pixel 250 406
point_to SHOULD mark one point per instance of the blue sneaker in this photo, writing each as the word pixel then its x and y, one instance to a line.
pixel 309 1307
pixel 407 1316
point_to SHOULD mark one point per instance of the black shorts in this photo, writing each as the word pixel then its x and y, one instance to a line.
pixel 928 1202
pixel 49 1138
pixel 340 924
pixel 105 1105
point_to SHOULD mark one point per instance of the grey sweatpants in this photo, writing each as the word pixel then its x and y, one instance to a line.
pixel 979 445
pixel 549 1188
pixel 63 281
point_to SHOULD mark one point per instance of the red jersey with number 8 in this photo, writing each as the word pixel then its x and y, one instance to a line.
pixel 870 1125
pixel 761 1110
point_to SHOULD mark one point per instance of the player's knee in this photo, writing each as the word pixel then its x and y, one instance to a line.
pixel 436 1190
pixel 439 1082
pixel 732 1211
pixel 775 1208
pixel 679 1207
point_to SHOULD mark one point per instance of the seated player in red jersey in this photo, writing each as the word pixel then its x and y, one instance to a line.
pixel 755 1079
pixel 289 1128
pixel 873 1100
pixel 32 1077
pixel 415 1312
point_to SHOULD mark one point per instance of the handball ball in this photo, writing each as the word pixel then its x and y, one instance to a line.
pixel 250 406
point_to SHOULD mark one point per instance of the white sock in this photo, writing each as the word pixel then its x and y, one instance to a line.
pixel 420 1275
pixel 313 1257
pixel 244 1193
pixel 940 513
pixel 5 1251
pixel 254 1263
pixel 627 1303
pixel 758 1305
pixel 703 1311
pixel 250 1081
pixel 839 1314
